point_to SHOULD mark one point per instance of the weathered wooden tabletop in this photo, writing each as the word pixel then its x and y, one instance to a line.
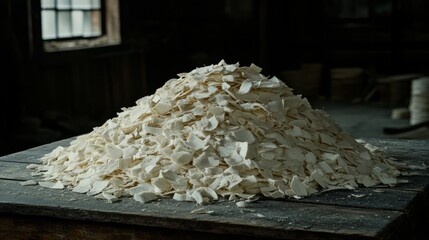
pixel 34 212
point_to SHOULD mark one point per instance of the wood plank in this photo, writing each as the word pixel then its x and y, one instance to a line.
pixel 396 198
pixel 412 151
pixel 278 219
pixel 15 171
pixel 53 201
pixel 367 198
pixel 370 198
pixel 22 227
pixel 377 213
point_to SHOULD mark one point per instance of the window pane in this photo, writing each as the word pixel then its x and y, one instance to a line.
pixel 87 24
pixel 96 23
pixel 91 23
pixel 82 4
pixel 48 24
pixel 48 3
pixel 64 24
pixel 96 4
pixel 63 4
pixel 77 23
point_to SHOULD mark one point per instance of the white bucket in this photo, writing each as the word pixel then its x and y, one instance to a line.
pixel 419 103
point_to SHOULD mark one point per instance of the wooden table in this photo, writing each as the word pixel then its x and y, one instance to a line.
pixel 34 212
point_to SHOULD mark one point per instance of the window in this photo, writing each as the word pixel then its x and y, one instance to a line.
pixel 66 18
pixel 76 24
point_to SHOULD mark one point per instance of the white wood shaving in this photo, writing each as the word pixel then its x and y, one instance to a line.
pixel 53 185
pixel 217 131
pixel 145 197
pixel 242 204
pixel 28 183
pixel 202 211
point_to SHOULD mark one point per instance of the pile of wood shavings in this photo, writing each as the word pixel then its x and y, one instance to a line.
pixel 217 131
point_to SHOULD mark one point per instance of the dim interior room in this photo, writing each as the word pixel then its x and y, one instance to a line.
pixel 71 65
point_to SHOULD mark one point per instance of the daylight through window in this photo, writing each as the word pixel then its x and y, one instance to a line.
pixel 62 19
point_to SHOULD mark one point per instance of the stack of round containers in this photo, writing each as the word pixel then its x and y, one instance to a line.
pixel 419 103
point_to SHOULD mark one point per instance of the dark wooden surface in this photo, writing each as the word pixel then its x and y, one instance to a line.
pixel 34 212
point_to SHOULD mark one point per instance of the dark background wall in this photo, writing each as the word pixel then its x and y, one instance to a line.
pixel 50 96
